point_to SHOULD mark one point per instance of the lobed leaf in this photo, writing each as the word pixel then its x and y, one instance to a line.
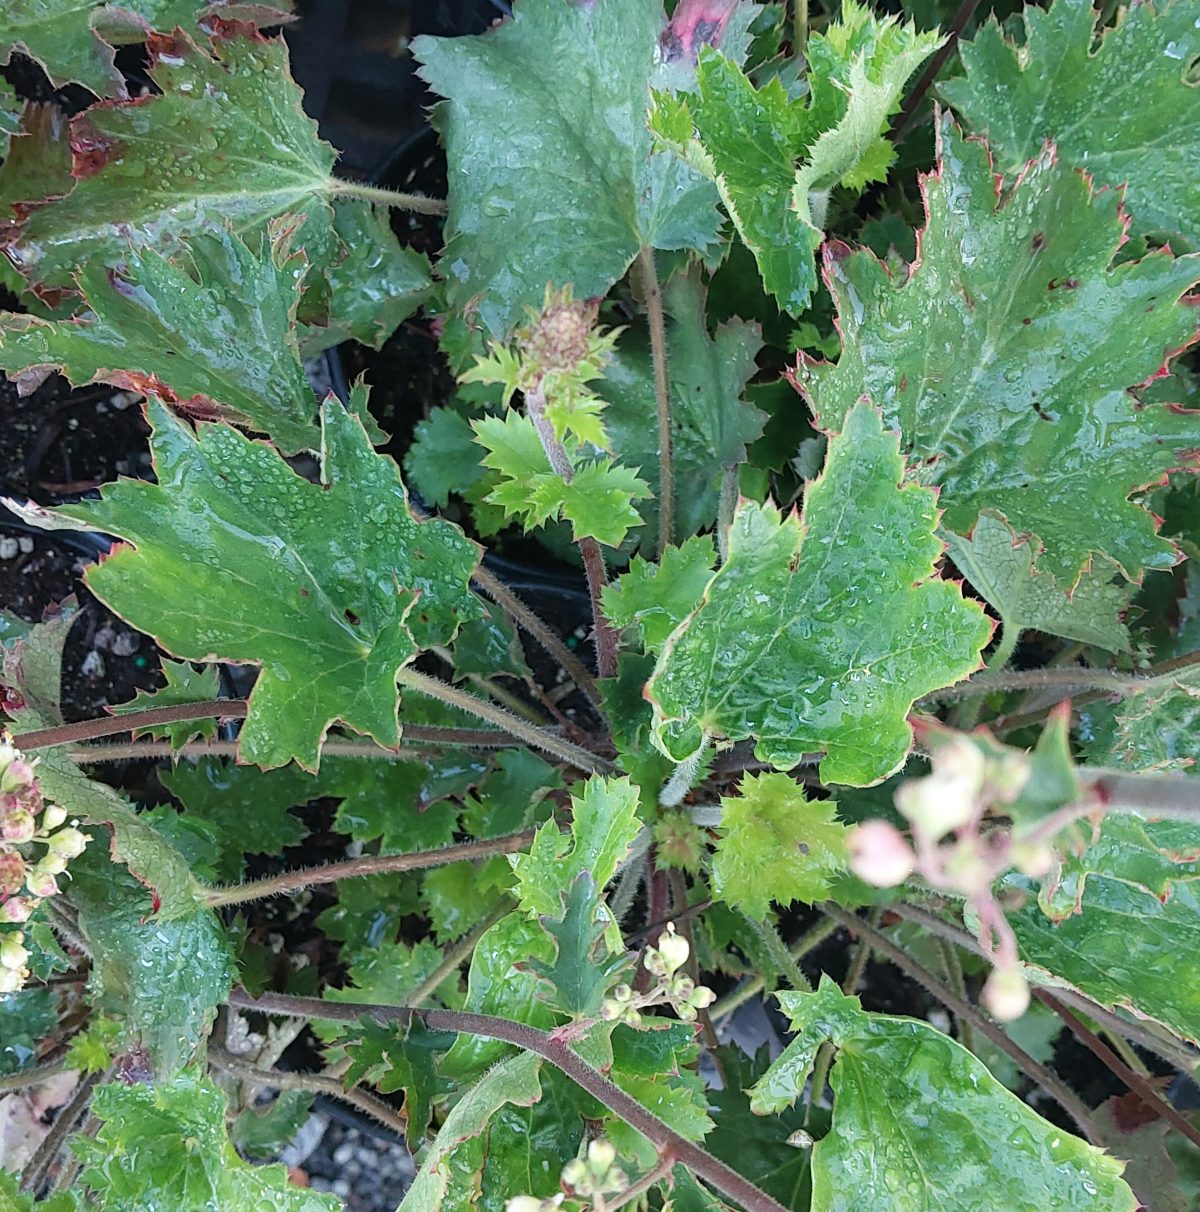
pixel 545 124
pixel 820 632
pixel 1009 423
pixel 920 1125
pixel 185 684
pixel 1119 103
pixel 331 587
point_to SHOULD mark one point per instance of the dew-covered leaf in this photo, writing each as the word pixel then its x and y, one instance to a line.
pixel 1157 730
pixel 1010 424
pixel 776 844
pixel 603 825
pixel 514 1081
pixel 185 684
pixel 711 423
pixel 163 977
pixel 775 159
pixel 546 119
pixel 225 143
pixel 1121 106
pixel 919 1123
pixel 212 332
pixel 262 1133
pixel 656 598
pixel 1000 566
pixel 819 633
pixel 165 1146
pixel 330 587
pixel 373 286
pixel 1118 920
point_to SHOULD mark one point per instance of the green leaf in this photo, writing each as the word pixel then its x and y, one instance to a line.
pixel 510 797
pixel 185 684
pixel 337 584
pixel 12 1199
pixel 656 598
pixel 10 115
pixel 489 645
pixel 165 978
pixel 533 128
pixel 155 862
pixel 1009 425
pixel 583 970
pixel 247 809
pixel 226 143
pixel 457 896
pixel 1000 566
pixel 775 160
pixel 27 1017
pixel 212 332
pixel 165 1147
pixel 776 845
pixel 1118 920
pixel 604 823
pixel 513 1081
pixel 373 287
pixel 711 424
pixel 598 501
pixel 1157 730
pixel 33 659
pixel 1120 105
pixel 384 800
pixel 821 633
pixel 444 457
pixel 394 1058
pixel 919 1123
pixel 501 982
pixel 262 1133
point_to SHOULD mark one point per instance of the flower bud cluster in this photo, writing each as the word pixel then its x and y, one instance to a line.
pixel 952 851
pixel 26 823
pixel 671 986
pixel 597 1174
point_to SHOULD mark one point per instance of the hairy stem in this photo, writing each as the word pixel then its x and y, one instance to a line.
pixel 1173 1052
pixel 532 735
pixel 800 28
pixel 966 11
pixel 370 864
pixel 312 1083
pixel 138 750
pixel 387 197
pixel 954 974
pixel 1066 1098
pixel 542 1043
pixel 88 730
pixel 589 549
pixel 785 963
pixel 32 1077
pixel 684 776
pixel 662 397
pixel 1144 1089
pixel 34 1174
pixel 530 623
pixel 810 940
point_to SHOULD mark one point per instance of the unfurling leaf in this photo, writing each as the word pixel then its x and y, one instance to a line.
pixel 1013 424
pixel 331 587
pixel 776 845
pixel 546 116
pixel 1108 100
pixel 820 632
pixel 918 1122
pixel 775 160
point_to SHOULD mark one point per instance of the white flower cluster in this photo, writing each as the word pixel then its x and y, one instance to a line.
pixel 25 824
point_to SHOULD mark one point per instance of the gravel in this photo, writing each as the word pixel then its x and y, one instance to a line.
pixel 367 1172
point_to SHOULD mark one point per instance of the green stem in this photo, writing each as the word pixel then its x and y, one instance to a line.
pixel 387 197
pixel 532 735
pixel 544 1044
pixel 1066 1098
pixel 311 1083
pixel 662 397
pixel 785 963
pixel 370 864
pixel 800 28
pixel 528 621
pixel 810 940
pixel 954 974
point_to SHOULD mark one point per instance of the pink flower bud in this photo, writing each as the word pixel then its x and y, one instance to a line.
pixel 16 909
pixel 1006 993
pixel 69 843
pixel 17 775
pixel 17 825
pixel 879 854
pixel 41 884
pixel 12 872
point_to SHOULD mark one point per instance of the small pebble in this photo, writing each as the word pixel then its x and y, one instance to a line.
pixel 343 1153
pixel 103 639
pixel 25 543
pixel 93 665
pixel 8 548
pixel 126 643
